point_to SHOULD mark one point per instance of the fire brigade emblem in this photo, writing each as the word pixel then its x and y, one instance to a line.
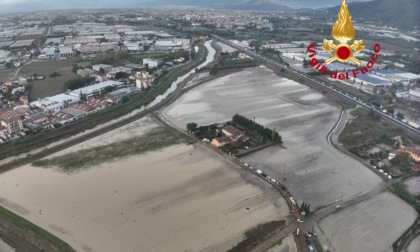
pixel 343 32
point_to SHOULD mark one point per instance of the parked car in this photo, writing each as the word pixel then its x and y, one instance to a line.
pixel 300 221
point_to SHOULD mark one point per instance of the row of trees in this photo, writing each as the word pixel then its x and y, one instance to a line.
pixel 265 133
pixel 78 82
pixel 305 208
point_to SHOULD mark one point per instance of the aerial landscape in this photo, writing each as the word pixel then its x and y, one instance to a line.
pixel 177 125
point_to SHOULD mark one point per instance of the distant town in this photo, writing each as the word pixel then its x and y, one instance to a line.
pixel 135 57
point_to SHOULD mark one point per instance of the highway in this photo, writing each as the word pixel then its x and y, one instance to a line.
pixel 341 93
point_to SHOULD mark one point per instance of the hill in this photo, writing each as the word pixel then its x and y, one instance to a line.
pixel 402 14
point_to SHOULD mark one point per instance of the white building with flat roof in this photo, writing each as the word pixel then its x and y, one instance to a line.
pixel 105 67
pixel 55 103
pixel 95 89
pixel 151 63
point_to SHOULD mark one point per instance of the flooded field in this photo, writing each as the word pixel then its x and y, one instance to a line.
pixel 311 168
pixel 372 225
pixel 4 247
pixel 181 198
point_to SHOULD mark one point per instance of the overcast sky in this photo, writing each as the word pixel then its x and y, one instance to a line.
pixel 27 5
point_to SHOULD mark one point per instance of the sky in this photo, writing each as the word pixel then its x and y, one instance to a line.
pixel 35 5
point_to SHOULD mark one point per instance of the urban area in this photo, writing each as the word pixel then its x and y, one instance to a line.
pixel 254 146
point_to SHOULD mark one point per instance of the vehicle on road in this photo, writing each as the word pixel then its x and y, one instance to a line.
pixel 300 221
pixel 259 171
pixel 337 206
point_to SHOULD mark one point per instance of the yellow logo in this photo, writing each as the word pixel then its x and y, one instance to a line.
pixel 343 31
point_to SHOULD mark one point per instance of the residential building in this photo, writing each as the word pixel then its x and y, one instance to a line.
pixel 413 152
pixel 144 79
pixel 23 99
pixel 13 124
pixel 221 141
pixel 231 135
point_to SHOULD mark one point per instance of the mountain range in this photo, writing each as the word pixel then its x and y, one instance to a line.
pixel 402 14
pixel 397 13
pixel 35 5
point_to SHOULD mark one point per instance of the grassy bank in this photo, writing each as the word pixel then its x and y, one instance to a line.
pixel 155 140
pixel 29 237
pixel 401 191
pixel 405 239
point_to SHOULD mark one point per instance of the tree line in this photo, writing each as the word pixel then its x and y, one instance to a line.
pixel 78 82
pixel 265 132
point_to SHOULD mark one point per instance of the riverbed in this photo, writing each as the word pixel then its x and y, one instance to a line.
pixel 181 198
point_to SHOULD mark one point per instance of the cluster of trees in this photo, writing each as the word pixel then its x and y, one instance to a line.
pixel 111 57
pixel 236 63
pixel 78 82
pixel 55 74
pixel 178 54
pixel 402 160
pixel 400 190
pixel 121 75
pixel 306 208
pixel 191 126
pixel 265 133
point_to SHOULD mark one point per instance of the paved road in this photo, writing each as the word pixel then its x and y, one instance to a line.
pixel 341 93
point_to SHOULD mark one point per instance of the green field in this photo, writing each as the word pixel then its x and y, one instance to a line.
pixel 84 64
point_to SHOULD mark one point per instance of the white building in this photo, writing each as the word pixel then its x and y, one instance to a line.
pixel 66 52
pixel 55 103
pixel 49 53
pixel 18 90
pixel 151 63
pixel 398 76
pixel 98 67
pixel 96 89
pixel 86 72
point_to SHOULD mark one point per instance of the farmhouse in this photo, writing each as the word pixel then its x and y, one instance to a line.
pixel 231 135
pixel 413 152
